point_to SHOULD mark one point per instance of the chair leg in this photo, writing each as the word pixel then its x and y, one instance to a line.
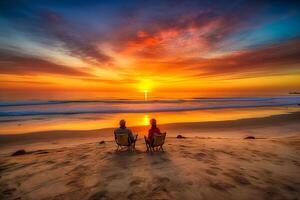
pixel 161 148
pixel 132 147
pixel 135 141
pixel 147 148
pixel 147 145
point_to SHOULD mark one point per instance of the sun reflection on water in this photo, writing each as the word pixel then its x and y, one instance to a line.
pixel 146 120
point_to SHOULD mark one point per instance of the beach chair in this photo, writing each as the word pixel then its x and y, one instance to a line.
pixel 122 140
pixel 157 142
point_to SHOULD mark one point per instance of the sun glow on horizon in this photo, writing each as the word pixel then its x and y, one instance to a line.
pixel 146 86
pixel 146 120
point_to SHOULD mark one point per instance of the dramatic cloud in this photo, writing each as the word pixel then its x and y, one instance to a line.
pixel 264 60
pixel 22 65
pixel 50 28
pixel 77 44
pixel 185 29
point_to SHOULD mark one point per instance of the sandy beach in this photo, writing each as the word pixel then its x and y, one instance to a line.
pixel 212 162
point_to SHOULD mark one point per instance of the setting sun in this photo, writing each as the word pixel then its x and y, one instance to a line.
pixel 146 86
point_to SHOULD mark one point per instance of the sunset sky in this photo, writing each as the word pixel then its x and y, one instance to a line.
pixel 172 49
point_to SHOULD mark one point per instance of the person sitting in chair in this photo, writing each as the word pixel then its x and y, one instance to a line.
pixel 123 130
pixel 152 131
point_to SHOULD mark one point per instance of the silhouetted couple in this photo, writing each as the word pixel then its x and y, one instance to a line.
pixel 154 130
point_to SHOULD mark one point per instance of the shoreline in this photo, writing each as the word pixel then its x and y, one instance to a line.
pixel 212 129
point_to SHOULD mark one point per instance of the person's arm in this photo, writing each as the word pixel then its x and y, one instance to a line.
pixel 130 135
pixel 158 131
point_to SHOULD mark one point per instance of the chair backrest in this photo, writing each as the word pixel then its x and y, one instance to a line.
pixel 122 139
pixel 159 140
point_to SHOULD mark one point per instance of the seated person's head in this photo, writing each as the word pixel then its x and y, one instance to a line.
pixel 122 123
pixel 153 122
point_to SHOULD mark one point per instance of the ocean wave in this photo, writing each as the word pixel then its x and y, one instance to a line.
pixel 127 101
pixel 75 111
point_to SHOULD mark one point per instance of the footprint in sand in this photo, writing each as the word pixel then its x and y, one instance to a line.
pixel 138 159
pixel 137 193
pixel 243 159
pixel 72 182
pixel 9 191
pixel 75 183
pixel 211 172
pixel 238 178
pixel 271 192
pixel 115 176
pixel 155 163
pixel 165 159
pixel 136 181
pixel 6 166
pixel 289 188
pixel 254 177
pixel 161 188
pixel 216 168
pixel 190 183
pixel 62 164
pixel 296 163
pixel 200 156
pixel 83 157
pixel 221 186
pixel 161 180
pixel 99 195
pixel 50 162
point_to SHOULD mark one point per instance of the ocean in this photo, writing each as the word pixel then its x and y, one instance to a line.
pixel 30 116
